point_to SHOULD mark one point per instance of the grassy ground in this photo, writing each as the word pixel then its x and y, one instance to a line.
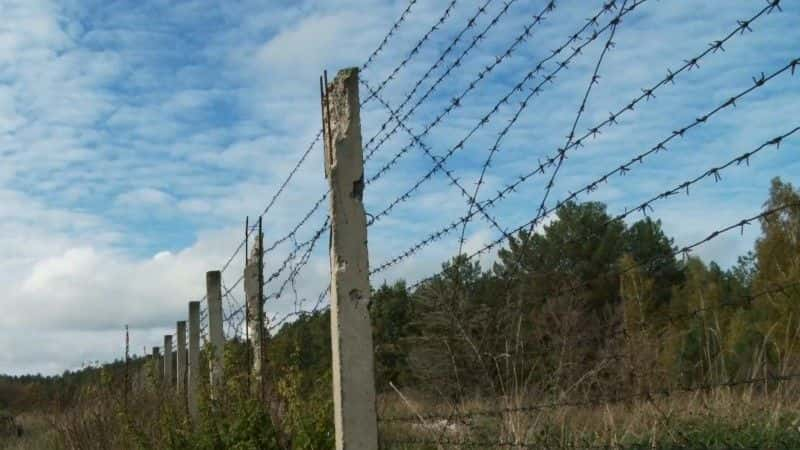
pixel 724 418
pixel 38 434
pixel 720 419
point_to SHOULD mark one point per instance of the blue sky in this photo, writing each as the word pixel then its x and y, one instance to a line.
pixel 136 137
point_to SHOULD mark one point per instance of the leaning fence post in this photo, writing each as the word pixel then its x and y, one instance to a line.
pixel 180 383
pixel 215 333
pixel 168 361
pixel 351 332
pixel 255 311
pixel 193 376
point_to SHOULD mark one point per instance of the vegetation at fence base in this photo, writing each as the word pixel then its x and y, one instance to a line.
pixel 582 333
pixel 297 413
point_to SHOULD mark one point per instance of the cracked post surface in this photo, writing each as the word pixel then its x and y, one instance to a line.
pixel 351 331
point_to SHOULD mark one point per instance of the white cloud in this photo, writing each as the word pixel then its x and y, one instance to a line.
pixel 144 198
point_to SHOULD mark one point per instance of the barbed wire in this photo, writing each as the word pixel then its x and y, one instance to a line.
pixel 277 323
pixel 457 62
pixel 571 135
pixel 592 82
pixel 415 49
pixel 562 152
pixel 303 261
pixel 537 18
pixel 482 74
pixel 487 117
pixel 293 232
pixel 593 185
pixel 453 180
pixel 389 35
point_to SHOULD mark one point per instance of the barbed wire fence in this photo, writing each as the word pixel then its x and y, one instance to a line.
pixel 415 111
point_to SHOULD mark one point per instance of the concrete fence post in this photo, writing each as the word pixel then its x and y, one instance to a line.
pixel 168 361
pixel 193 375
pixel 355 418
pixel 215 332
pixel 255 311
pixel 180 372
pixel 158 371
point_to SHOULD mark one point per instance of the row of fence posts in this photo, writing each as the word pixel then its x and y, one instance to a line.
pixel 355 417
pixel 185 357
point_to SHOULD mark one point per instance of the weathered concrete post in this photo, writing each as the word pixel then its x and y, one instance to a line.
pixel 193 376
pixel 180 372
pixel 351 333
pixel 158 371
pixel 255 310
pixel 215 333
pixel 168 361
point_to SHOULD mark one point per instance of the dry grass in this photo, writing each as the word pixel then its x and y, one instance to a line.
pixel 719 418
pixel 38 434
